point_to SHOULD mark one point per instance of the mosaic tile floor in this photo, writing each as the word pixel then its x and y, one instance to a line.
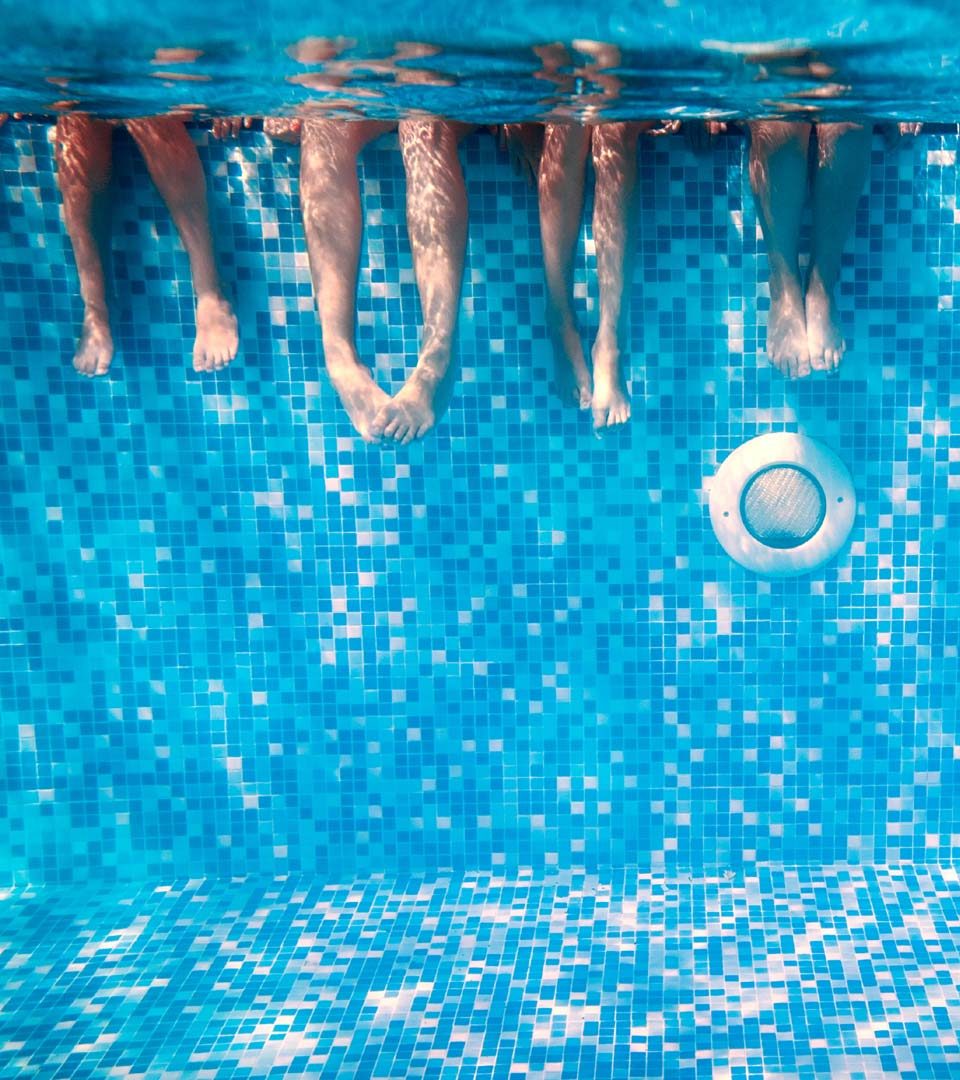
pixel 840 972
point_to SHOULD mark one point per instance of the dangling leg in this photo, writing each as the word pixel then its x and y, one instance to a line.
pixel 83 172
pixel 615 166
pixel 330 201
pixel 562 170
pixel 843 161
pixel 437 226
pixel 778 176
pixel 175 168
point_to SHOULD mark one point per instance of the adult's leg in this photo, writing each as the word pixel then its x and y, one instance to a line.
pixel 843 160
pixel 561 179
pixel 330 201
pixel 175 168
pixel 437 226
pixel 615 166
pixel 83 173
pixel 778 176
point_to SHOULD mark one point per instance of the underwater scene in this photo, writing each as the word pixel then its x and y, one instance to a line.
pixel 480 551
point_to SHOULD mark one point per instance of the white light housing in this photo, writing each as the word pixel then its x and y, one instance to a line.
pixel 782 504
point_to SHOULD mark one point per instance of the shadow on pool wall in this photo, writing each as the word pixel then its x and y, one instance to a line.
pixel 238 640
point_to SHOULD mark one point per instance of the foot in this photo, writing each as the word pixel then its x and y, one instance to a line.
pixel 824 338
pixel 358 393
pixel 787 333
pixel 611 402
pixel 571 377
pixel 217 338
pixel 95 347
pixel 415 408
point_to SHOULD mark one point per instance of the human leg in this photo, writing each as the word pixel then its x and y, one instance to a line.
pixel 175 168
pixel 778 176
pixel 330 202
pixel 83 173
pixel 615 166
pixel 843 160
pixel 437 226
pixel 560 189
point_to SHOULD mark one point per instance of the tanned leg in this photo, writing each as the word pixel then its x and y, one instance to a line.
pixel 561 180
pixel 175 168
pixel 437 226
pixel 778 176
pixel 83 173
pixel 330 201
pixel 615 166
pixel 843 160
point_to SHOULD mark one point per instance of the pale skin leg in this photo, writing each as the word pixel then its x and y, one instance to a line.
pixel 778 176
pixel 330 202
pixel 843 160
pixel 560 189
pixel 175 168
pixel 437 226
pixel 615 167
pixel 83 173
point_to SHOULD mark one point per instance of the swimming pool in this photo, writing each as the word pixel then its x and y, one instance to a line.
pixel 477 757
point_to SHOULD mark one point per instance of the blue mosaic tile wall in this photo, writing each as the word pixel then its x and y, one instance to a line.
pixel 235 639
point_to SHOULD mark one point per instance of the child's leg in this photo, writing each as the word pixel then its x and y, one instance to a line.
pixel 330 202
pixel 778 176
pixel 175 168
pixel 561 179
pixel 83 173
pixel 843 160
pixel 437 226
pixel 615 165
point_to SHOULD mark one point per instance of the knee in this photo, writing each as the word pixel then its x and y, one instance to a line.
pixel 769 137
pixel 613 143
pixel 830 137
pixel 425 142
pixel 567 144
pixel 83 152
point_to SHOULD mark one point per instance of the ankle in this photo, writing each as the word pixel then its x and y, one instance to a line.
pixel 339 353
pixel 96 313
pixel 819 284
pixel 561 322
pixel 211 296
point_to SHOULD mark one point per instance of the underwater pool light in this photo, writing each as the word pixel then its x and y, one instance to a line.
pixel 782 504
